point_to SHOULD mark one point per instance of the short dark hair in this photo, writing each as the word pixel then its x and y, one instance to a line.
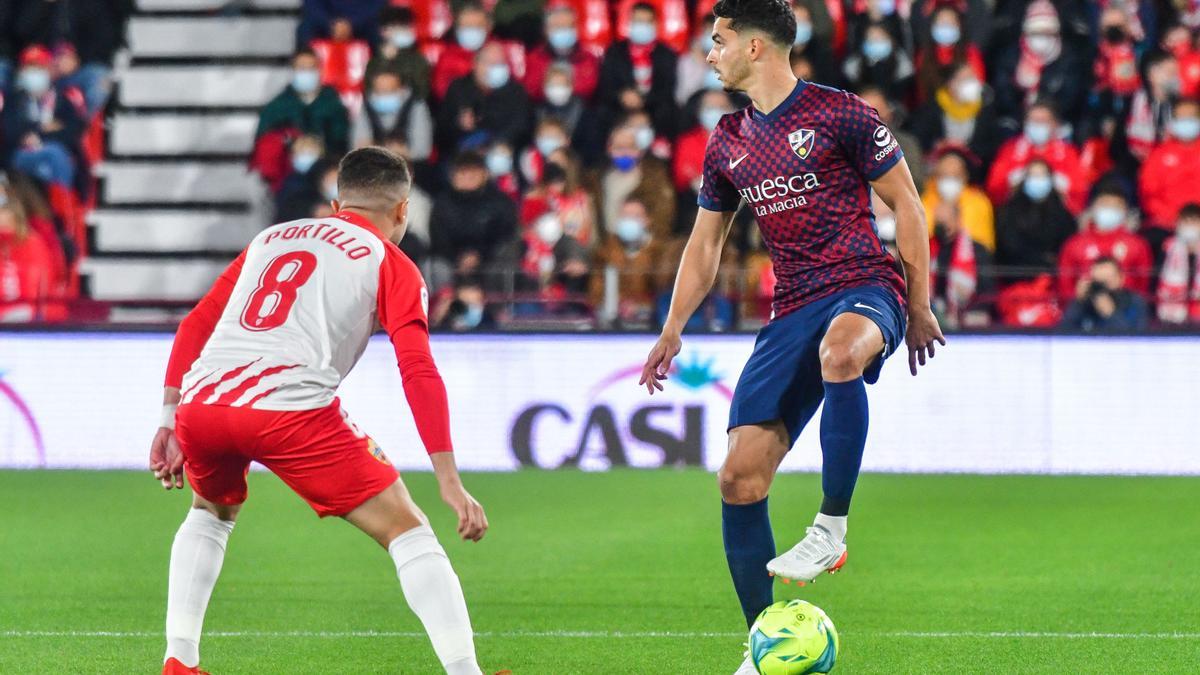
pixel 1047 104
pixel 469 159
pixel 645 7
pixel 1189 210
pixel 773 17
pixel 304 51
pixel 390 16
pixel 1111 187
pixel 374 175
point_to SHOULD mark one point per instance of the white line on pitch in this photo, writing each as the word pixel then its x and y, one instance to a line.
pixel 608 634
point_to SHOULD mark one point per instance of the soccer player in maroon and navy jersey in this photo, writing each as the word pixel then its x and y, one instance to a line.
pixel 804 159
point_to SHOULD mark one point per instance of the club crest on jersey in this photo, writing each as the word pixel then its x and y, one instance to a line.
pixel 377 452
pixel 801 141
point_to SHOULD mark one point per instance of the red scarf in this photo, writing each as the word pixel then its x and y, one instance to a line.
pixel 962 277
pixel 1177 303
pixel 1029 69
pixel 643 65
pixel 1116 69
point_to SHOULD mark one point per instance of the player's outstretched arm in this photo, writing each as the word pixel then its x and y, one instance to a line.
pixel 897 190
pixel 697 273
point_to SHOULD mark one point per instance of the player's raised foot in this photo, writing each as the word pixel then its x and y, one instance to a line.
pixel 174 667
pixel 817 552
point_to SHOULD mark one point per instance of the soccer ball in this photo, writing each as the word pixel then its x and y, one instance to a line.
pixel 792 637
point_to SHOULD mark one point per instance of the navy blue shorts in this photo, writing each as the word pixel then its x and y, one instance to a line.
pixel 782 380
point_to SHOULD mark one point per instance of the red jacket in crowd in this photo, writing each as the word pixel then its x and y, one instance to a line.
pixel 688 162
pixel 584 60
pixel 452 61
pixel 1128 249
pixel 1062 157
pixel 673 29
pixel 1169 179
pixel 26 278
pixel 343 65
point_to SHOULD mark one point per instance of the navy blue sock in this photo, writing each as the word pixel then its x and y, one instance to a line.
pixel 843 435
pixel 749 546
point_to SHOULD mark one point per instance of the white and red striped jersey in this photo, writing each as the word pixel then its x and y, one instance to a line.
pixel 295 312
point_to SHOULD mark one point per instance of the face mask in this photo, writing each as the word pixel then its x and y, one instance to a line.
pixel 624 163
pixel 950 189
pixel 804 33
pixel 548 229
pixel 642 33
pixel 711 80
pixel 499 163
pixel 1172 86
pixel 704 43
pixel 1038 188
pixel 886 7
pixel 1042 45
pixel 1188 235
pixel 709 117
pixel 402 38
pixel 1108 219
pixel 969 91
pixel 562 39
pixel 303 161
pixel 306 81
pixel 471 317
pixel 329 190
pixel 1037 133
pixel 497 75
pixel 1185 129
pixel 946 34
pixel 558 94
pixel 386 104
pixel 885 227
pixel 36 81
pixel 877 50
pixel 644 137
pixel 471 39
pixel 630 230
pixel 546 145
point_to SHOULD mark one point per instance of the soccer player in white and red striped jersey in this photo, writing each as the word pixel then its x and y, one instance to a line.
pixel 253 375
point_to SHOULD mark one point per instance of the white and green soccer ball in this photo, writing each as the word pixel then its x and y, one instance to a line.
pixel 793 637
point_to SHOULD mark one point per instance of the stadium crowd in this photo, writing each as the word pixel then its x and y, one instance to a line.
pixel 557 148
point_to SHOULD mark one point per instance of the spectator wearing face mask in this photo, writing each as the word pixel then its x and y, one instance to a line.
pixel 581 130
pixel 640 68
pixel 562 49
pixel 1039 140
pixel 961 113
pixel 26 268
pixel 1107 233
pixel 470 220
pixel 1150 109
pixel 1033 224
pixel 632 253
pixel 1103 303
pixel 392 110
pixel 502 170
pixel 1116 68
pixel 549 264
pixel 960 271
pixel 465 308
pixel 398 53
pixel 952 203
pixel 694 73
pixel 1170 176
pixel 631 173
pixel 945 51
pixel 880 62
pixel 1041 64
pixel 488 102
pixel 688 162
pixel 891 15
pixel 810 46
pixel 461 49
pixel 560 192
pixel 42 127
pixel 1179 277
pixel 1179 42
pixel 301 190
pixel 308 107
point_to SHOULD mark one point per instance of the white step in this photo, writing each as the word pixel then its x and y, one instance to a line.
pixel 193 86
pixel 174 134
pixel 208 5
pixel 173 182
pixel 162 231
pixel 212 36
pixel 126 279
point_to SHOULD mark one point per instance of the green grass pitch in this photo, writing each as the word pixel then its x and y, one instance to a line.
pixel 619 573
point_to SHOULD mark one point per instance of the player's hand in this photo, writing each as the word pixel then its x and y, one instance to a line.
pixel 658 363
pixel 923 332
pixel 472 521
pixel 166 459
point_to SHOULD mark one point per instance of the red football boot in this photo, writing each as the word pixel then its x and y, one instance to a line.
pixel 174 667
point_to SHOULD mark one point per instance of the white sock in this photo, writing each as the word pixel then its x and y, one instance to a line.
pixel 835 524
pixel 196 558
pixel 433 592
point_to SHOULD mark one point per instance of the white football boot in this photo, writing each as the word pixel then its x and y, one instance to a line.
pixel 818 552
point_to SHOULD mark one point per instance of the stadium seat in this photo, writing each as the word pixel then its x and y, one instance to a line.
pixel 212 36
pixel 118 279
pixel 167 231
pixel 182 133
pixel 198 86
pixel 142 182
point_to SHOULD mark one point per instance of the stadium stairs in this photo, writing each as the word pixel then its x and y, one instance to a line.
pixel 176 202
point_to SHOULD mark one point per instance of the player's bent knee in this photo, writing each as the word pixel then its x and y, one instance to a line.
pixel 742 487
pixel 227 512
pixel 840 363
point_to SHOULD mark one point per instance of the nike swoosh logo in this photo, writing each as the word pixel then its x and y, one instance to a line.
pixel 734 162
pixel 862 306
